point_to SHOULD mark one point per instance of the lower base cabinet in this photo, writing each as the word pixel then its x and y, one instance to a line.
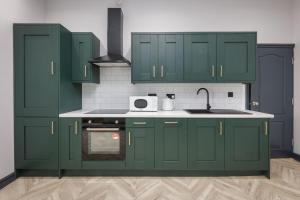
pixel 140 148
pixel 206 144
pixel 246 144
pixel 36 143
pixel 161 144
pixel 70 134
pixel 171 144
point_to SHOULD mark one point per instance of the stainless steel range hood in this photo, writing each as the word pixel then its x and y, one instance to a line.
pixel 114 57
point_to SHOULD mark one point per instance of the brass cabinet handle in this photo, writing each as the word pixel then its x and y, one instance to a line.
pixel 213 71
pixel 221 128
pixel 171 122
pixel 129 138
pixel 52 67
pixel 76 127
pixel 162 71
pixel 153 71
pixel 221 71
pixel 52 127
pixel 266 128
pixel 139 123
pixel 85 72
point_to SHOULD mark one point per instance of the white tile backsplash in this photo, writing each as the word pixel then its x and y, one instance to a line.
pixel 115 88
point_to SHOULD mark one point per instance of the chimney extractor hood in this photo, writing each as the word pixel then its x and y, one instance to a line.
pixel 114 57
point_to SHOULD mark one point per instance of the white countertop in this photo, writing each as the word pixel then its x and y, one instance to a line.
pixel 167 114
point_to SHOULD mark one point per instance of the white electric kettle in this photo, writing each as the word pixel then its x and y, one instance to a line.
pixel 168 103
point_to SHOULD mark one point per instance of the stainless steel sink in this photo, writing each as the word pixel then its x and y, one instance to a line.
pixel 217 111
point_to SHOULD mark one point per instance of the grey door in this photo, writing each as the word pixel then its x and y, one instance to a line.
pixel 273 93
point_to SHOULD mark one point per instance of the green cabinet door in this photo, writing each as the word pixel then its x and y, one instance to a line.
pixel 70 134
pixel 247 144
pixel 200 57
pixel 144 57
pixel 236 57
pixel 170 58
pixel 36 143
pixel 171 144
pixel 140 148
pixel 206 144
pixel 85 47
pixel 36 68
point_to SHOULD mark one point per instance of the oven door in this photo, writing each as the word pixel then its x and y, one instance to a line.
pixel 103 144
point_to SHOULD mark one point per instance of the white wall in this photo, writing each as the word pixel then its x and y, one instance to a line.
pixel 296 31
pixel 271 18
pixel 11 11
pixel 115 89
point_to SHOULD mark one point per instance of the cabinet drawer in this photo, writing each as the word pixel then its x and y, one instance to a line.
pixel 139 122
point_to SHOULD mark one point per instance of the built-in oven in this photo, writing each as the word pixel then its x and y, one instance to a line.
pixel 103 139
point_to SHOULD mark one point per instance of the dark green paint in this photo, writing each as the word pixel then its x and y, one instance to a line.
pixel 170 143
pixel 40 95
pixel 140 122
pixel 206 144
pixel 37 91
pixel 200 57
pixel 105 164
pixel 85 46
pixel 35 145
pixel 159 173
pixel 70 134
pixel 237 56
pixel 193 57
pixel 69 93
pixel 144 57
pixel 157 58
pixel 246 144
pixel 140 148
pixel 170 58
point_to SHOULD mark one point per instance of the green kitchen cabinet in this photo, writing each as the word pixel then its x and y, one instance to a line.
pixel 144 57
pixel 70 134
pixel 170 58
pixel 170 143
pixel 195 57
pixel 140 143
pixel 206 144
pixel 200 57
pixel 43 89
pixel 36 143
pixel 236 60
pixel 36 70
pixel 42 71
pixel 246 144
pixel 157 57
pixel 85 46
pixel 140 148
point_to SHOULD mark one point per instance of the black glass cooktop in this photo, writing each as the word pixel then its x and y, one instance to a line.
pixel 109 111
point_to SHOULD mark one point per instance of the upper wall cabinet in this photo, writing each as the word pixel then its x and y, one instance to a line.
pixel 85 46
pixel 170 58
pixel 157 57
pixel 42 67
pixel 200 57
pixel 193 57
pixel 236 57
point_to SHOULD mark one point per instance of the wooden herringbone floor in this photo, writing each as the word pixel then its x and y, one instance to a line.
pixel 284 184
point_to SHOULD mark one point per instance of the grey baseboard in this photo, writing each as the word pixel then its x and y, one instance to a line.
pixel 296 156
pixel 7 180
